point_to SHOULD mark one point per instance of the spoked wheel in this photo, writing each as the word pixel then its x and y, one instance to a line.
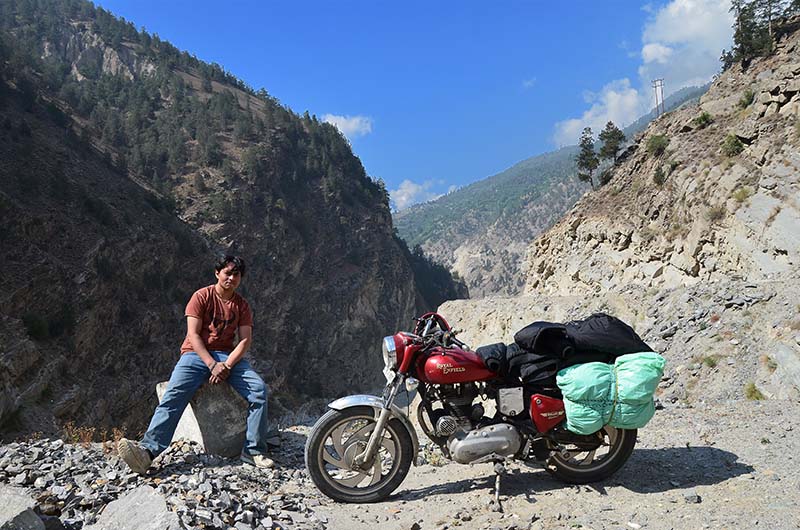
pixel 338 437
pixel 584 463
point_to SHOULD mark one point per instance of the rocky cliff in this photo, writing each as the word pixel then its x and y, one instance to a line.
pixel 695 241
pixel 126 166
pixel 482 231
pixel 709 193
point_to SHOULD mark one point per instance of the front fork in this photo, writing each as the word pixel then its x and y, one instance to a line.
pixel 365 459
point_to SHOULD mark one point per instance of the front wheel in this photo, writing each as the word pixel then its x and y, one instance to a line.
pixel 338 437
pixel 598 461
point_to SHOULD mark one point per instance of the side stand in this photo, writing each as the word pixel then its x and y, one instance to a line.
pixel 499 470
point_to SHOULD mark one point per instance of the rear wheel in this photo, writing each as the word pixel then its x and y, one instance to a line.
pixel 582 463
pixel 338 437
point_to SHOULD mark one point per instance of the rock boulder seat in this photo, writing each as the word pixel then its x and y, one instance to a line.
pixel 215 418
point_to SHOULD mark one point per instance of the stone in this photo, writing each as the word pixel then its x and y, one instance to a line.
pixel 691 497
pixel 141 509
pixel 52 523
pixel 215 418
pixel 16 510
pixel 747 130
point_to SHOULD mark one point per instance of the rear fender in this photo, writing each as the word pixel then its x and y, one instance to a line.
pixel 377 403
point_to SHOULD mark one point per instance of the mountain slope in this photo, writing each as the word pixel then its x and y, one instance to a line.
pixel 694 242
pixel 718 202
pixel 482 231
pixel 126 166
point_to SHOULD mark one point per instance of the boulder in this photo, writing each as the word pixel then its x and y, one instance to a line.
pixel 16 510
pixel 215 418
pixel 747 131
pixel 141 509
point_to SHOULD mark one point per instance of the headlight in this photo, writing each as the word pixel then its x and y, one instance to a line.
pixel 389 353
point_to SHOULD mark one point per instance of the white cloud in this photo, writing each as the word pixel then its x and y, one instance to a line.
pixel 410 193
pixel 351 126
pixel 695 32
pixel 617 102
pixel 529 83
pixel 681 44
pixel 656 52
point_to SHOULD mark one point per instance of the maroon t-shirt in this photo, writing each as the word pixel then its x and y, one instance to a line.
pixel 220 318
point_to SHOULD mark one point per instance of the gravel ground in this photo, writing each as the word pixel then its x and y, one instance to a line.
pixel 706 465
pixel 729 465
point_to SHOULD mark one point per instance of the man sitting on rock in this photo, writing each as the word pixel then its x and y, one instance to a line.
pixel 214 315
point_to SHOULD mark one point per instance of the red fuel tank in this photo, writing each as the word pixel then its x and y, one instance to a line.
pixel 454 365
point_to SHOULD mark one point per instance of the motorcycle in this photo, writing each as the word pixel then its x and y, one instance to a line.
pixel 362 449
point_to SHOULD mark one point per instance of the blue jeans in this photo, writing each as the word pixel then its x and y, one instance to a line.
pixel 187 376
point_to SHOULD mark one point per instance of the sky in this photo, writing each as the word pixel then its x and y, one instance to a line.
pixel 435 95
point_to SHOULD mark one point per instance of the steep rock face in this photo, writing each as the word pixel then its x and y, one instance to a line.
pixel 719 212
pixel 695 242
pixel 723 341
pixel 100 265
pixel 97 273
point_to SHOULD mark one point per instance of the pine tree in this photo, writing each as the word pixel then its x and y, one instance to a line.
pixel 612 138
pixel 586 159
pixel 752 30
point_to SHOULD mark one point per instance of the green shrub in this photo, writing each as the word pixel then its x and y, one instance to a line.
pixel 659 177
pixel 99 210
pixel 711 361
pixel 732 146
pixel 747 99
pixel 671 165
pixel 606 176
pixel 657 144
pixel 752 392
pixel 703 120
pixel 742 194
pixel 62 322
pixel 715 213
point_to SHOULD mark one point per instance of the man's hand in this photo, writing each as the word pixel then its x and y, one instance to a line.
pixel 219 373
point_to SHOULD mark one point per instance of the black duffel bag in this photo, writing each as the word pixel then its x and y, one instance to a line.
pixel 605 334
pixel 545 338
pixel 544 348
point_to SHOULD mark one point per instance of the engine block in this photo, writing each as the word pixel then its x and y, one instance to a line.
pixel 501 439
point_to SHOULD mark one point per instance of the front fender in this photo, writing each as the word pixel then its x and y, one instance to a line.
pixel 377 403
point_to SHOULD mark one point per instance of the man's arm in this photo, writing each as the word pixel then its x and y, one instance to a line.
pixel 193 325
pixel 245 339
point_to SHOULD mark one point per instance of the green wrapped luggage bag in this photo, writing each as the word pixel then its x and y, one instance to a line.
pixel 619 395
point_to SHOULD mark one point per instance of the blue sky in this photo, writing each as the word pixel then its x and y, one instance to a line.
pixel 435 95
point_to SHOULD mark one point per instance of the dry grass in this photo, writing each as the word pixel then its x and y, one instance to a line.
pixel 84 435
pixel 742 194
pixel 74 434
pixel 752 392
pixel 711 360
